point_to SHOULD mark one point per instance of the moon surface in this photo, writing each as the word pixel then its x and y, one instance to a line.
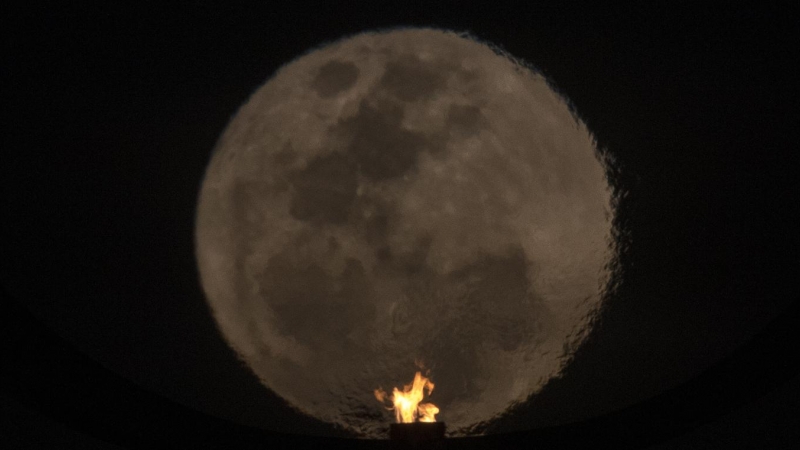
pixel 402 197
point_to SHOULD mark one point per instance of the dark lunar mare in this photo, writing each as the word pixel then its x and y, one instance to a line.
pixel 335 77
pixel 295 287
pixel 324 190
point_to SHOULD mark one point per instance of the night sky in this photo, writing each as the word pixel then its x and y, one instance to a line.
pixel 112 113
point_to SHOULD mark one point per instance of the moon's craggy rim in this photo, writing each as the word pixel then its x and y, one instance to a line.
pixel 602 154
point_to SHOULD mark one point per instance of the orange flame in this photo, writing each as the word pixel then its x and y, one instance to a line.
pixel 407 407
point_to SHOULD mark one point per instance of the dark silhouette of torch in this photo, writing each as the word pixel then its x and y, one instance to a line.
pixel 417 435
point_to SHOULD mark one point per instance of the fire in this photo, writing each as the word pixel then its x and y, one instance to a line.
pixel 407 407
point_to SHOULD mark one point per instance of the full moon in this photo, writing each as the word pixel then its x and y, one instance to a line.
pixel 402 198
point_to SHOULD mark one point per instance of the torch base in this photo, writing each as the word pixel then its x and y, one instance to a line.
pixel 417 435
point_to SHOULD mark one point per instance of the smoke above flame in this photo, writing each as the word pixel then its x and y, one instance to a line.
pixel 406 403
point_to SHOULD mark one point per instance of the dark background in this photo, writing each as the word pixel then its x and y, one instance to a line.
pixel 113 112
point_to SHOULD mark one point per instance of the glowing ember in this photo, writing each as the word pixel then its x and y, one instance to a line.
pixel 407 407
